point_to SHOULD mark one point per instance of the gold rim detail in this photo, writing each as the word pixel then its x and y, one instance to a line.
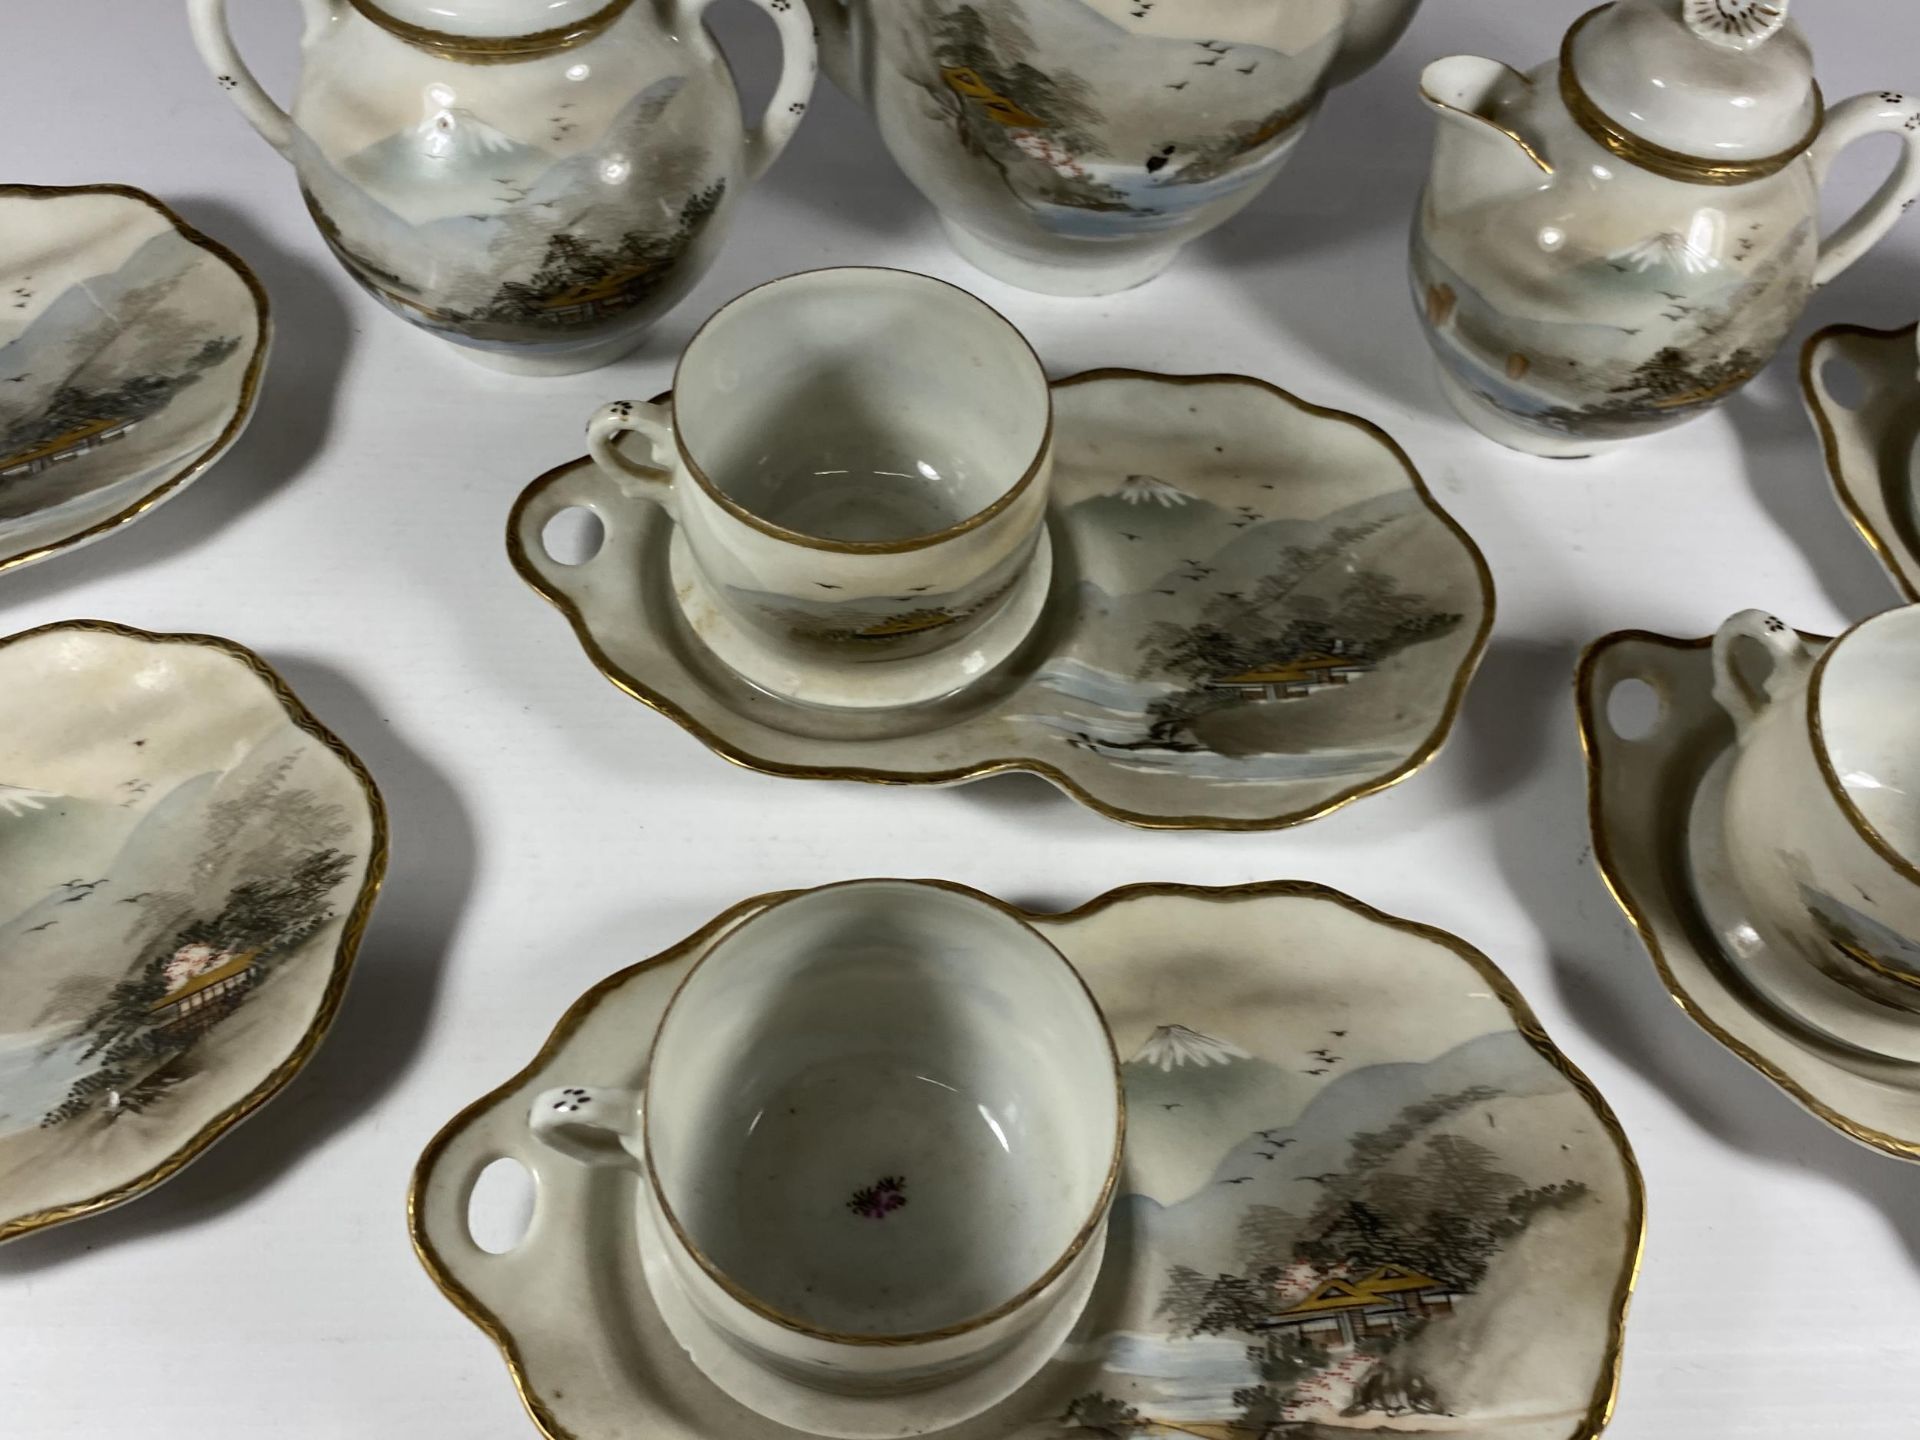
pixel 1515 136
pixel 1606 1387
pixel 747 760
pixel 1862 826
pixel 344 952
pixel 249 381
pixel 1610 875
pixel 493 49
pixel 1830 443
pixel 974 521
pixel 1082 1238
pixel 1609 133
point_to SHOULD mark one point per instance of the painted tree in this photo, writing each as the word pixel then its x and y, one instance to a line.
pixel 1184 1300
pixel 1367 620
pixel 83 401
pixel 1100 1414
pixel 1413 1194
pixel 986 80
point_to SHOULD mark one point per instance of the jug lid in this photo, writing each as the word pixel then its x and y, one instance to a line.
pixel 500 27
pixel 1713 91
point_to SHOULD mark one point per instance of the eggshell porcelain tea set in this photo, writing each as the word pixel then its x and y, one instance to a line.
pixel 889 1158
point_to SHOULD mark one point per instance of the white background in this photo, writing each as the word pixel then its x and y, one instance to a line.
pixel 548 830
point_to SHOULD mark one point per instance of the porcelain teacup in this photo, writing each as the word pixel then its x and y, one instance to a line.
pixel 879 1130
pixel 857 463
pixel 1823 801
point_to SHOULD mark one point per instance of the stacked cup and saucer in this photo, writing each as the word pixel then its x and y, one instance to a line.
pixel 1763 830
pixel 894 1158
pixel 865 537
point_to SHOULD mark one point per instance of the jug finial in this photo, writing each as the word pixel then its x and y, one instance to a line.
pixel 1736 24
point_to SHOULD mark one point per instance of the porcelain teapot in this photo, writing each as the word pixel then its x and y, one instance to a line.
pixel 1619 240
pixel 1073 146
pixel 537 181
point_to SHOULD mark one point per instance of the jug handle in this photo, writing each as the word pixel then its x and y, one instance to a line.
pixel 1884 112
pixel 799 63
pixel 208 21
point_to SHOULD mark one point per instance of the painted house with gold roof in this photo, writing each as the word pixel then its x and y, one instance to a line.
pixel 207 996
pixel 969 84
pixel 1339 1314
pixel 1294 679
pixel 81 440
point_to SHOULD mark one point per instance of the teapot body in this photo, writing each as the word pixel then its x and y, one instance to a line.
pixel 538 197
pixel 541 212
pixel 1579 300
pixel 1072 146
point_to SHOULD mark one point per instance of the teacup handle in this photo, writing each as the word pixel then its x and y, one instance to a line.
pixel 588 1123
pixel 1883 113
pixel 1743 699
pixel 655 422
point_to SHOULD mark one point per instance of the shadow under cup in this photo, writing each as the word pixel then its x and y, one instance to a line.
pixel 861 406
pixel 887 1113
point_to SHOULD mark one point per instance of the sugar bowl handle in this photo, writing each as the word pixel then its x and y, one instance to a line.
pixel 1746 698
pixel 1882 113
pixel 589 1124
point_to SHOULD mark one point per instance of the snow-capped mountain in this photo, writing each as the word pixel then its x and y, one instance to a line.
pixel 1172 1046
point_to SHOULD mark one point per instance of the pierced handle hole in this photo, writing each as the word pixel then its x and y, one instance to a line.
pixel 501 1206
pixel 573 537
pixel 1844 382
pixel 1634 709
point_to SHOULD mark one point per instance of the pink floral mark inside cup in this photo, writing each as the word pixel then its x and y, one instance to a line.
pixel 877 1201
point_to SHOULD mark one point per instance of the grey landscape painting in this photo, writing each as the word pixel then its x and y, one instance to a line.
pixel 495 242
pixel 119 378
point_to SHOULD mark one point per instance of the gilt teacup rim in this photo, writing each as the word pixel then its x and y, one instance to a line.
pixel 1903 866
pixel 756 521
pixel 1089 1227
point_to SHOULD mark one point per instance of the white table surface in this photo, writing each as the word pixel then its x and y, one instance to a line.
pixel 548 830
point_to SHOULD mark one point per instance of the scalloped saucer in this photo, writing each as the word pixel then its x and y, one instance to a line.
pixel 131 348
pixel 187 863
pixel 1360 1183
pixel 1258 613
pixel 1652 799
pixel 1872 447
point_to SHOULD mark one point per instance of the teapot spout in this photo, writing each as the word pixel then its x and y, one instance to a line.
pixel 1373 26
pixel 842 54
pixel 1478 147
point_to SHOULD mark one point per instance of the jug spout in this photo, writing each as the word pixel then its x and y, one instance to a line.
pixel 1479 153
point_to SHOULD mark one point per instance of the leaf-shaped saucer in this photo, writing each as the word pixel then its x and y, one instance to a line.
pixel 1258 614
pixel 1870 430
pixel 1646 779
pixel 187 862
pixel 131 347
pixel 1360 1185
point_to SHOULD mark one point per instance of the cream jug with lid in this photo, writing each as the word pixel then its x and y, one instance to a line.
pixel 1620 239
pixel 536 181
